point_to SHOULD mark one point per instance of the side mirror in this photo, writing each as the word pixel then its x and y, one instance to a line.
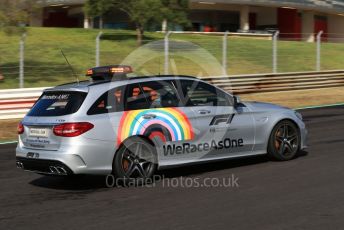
pixel 236 101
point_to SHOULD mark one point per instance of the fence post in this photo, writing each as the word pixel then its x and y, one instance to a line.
pixel 318 67
pixel 274 51
pixel 21 60
pixel 224 53
pixel 166 53
pixel 98 48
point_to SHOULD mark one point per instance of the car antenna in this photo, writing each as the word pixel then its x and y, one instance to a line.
pixel 159 66
pixel 70 66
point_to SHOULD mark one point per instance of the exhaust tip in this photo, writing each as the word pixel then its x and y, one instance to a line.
pixel 61 170
pixel 58 170
pixel 53 169
pixel 19 165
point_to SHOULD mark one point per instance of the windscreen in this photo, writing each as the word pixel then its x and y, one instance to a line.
pixel 57 104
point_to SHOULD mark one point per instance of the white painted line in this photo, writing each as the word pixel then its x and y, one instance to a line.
pixel 319 106
pixel 8 142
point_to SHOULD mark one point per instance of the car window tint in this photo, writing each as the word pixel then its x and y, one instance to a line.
pixel 135 98
pixel 196 93
pixel 160 94
pixel 57 104
pixel 111 101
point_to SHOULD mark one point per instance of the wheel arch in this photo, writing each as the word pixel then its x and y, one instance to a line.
pixel 135 136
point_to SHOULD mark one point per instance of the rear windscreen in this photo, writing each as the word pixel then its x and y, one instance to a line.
pixel 57 104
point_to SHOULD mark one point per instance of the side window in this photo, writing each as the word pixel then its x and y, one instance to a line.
pixel 135 98
pixel 157 94
pixel 197 93
pixel 160 94
pixel 111 101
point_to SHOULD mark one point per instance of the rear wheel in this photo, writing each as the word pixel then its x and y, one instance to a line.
pixel 135 161
pixel 284 142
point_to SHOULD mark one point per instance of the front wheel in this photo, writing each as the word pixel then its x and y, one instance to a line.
pixel 284 141
pixel 135 161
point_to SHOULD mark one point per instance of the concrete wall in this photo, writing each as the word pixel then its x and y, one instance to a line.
pixel 266 16
pixel 336 28
pixel 308 26
pixel 329 6
pixel 218 6
pixel 237 12
pixel 37 18
pixel 64 2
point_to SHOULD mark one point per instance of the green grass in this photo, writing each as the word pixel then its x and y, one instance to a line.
pixel 189 54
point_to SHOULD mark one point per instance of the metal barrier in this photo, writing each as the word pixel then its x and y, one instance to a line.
pixel 176 52
pixel 15 103
pixel 258 83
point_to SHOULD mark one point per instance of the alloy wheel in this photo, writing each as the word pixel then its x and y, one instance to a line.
pixel 286 139
pixel 137 160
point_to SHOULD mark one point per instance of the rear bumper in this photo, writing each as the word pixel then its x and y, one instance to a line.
pixel 47 167
pixel 90 157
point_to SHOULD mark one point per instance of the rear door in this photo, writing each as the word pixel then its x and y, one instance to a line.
pixel 106 112
pixel 155 111
pixel 51 108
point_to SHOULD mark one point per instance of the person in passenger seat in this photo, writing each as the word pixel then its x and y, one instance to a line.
pixel 155 99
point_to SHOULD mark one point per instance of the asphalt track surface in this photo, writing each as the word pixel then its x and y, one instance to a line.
pixel 306 193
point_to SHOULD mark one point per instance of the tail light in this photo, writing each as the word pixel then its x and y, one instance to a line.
pixel 72 129
pixel 20 128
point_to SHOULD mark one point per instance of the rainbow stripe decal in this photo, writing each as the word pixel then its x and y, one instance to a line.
pixel 169 124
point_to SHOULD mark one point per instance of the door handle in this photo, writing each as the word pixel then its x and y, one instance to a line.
pixel 149 116
pixel 204 111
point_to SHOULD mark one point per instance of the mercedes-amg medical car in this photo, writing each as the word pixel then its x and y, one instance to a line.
pixel 131 126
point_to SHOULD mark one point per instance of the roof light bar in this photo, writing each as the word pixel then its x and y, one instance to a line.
pixel 108 72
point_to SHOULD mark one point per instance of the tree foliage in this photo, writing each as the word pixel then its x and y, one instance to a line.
pixel 15 14
pixel 175 11
pixel 143 12
pixel 97 8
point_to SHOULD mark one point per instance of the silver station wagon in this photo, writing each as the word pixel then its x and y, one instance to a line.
pixel 131 126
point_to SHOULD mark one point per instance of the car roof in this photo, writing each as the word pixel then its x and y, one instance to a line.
pixel 84 86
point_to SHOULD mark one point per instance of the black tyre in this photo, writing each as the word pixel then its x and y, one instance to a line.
pixel 135 162
pixel 284 141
